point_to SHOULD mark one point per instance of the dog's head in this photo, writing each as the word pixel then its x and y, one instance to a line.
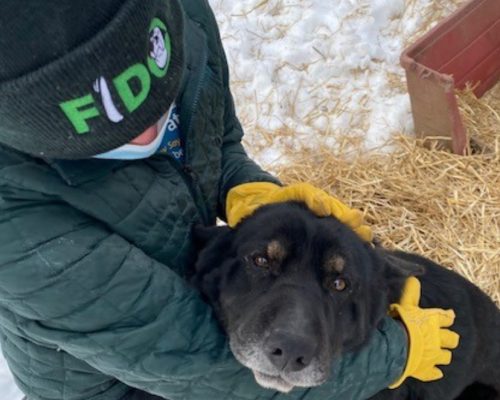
pixel 293 291
pixel 157 47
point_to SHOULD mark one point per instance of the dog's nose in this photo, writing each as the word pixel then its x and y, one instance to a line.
pixel 288 352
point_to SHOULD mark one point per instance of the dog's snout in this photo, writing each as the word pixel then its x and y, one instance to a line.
pixel 288 352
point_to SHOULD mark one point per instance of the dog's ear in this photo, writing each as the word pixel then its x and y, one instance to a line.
pixel 396 269
pixel 202 235
pixel 215 257
pixel 213 244
pixel 397 265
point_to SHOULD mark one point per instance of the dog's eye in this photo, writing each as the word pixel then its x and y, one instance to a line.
pixel 260 261
pixel 336 284
pixel 339 284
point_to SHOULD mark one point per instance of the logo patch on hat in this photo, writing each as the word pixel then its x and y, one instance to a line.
pixel 159 55
pixel 132 85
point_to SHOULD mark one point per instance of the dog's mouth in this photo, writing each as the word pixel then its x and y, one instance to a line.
pixel 249 350
pixel 252 358
pixel 272 382
pixel 282 383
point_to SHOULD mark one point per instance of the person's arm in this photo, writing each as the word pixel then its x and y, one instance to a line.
pixel 237 167
pixel 66 281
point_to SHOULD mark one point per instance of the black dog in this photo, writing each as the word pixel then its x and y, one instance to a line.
pixel 293 291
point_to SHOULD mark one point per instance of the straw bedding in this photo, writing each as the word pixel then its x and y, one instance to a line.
pixel 441 205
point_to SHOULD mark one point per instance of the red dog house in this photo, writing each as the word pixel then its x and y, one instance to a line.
pixel 463 48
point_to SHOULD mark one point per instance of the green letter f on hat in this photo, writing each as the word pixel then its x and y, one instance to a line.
pixel 79 110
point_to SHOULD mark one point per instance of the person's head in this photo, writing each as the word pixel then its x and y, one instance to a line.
pixel 81 77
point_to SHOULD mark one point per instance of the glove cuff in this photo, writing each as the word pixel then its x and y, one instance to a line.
pixel 415 348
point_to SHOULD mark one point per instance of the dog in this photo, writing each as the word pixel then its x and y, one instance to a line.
pixel 294 291
pixel 158 50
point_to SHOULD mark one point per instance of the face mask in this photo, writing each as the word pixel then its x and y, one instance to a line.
pixel 134 151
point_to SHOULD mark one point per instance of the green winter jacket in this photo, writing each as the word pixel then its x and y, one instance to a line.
pixel 93 253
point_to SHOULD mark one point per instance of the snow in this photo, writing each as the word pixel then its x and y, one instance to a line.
pixel 8 390
pixel 307 67
pixel 305 70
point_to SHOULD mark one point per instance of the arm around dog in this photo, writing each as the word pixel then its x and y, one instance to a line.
pixel 123 313
pixel 237 167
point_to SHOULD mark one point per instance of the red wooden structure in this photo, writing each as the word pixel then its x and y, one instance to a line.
pixel 463 48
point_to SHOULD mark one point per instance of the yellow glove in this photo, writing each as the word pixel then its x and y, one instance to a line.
pixel 427 338
pixel 242 200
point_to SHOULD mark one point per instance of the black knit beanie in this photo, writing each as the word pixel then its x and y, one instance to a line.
pixel 81 77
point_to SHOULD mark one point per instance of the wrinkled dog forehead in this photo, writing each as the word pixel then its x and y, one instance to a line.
pixel 284 230
pixel 291 222
pixel 280 251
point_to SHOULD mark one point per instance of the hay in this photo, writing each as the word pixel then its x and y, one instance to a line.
pixel 482 119
pixel 440 205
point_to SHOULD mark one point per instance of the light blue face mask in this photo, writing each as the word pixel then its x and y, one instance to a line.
pixel 134 151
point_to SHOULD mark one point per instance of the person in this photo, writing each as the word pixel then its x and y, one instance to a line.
pixel 117 134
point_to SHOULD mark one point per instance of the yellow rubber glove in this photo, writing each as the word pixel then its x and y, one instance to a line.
pixel 428 340
pixel 242 200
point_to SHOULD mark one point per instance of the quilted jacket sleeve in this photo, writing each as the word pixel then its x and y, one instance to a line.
pixel 237 167
pixel 131 317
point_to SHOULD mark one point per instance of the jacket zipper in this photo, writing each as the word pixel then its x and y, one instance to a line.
pixel 186 171
pixel 194 104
